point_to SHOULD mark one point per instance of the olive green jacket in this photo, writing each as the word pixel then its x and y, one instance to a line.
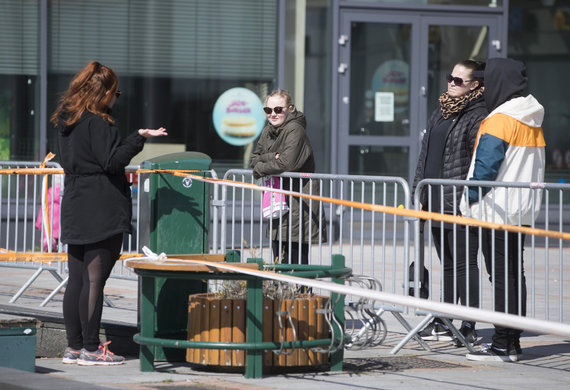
pixel 295 155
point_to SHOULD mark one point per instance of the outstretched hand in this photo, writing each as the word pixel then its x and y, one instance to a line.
pixel 149 133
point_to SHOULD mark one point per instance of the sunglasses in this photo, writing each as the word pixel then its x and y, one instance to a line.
pixel 278 110
pixel 458 81
pixel 118 93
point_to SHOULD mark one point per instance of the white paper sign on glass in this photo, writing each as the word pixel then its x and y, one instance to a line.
pixel 384 107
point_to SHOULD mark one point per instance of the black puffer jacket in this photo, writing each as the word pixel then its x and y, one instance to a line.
pixel 459 144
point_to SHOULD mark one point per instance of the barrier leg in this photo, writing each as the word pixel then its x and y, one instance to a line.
pixel 27 284
pixel 108 301
pixel 458 334
pixel 62 285
pixel 56 275
pixel 413 333
pixel 407 326
pixel 55 291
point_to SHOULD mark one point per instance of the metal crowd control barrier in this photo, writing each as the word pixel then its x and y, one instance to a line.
pixel 543 265
pixel 374 244
pixel 21 225
pixel 20 202
pixel 21 228
pixel 131 242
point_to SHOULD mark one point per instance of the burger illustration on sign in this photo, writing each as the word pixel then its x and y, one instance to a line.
pixel 239 126
pixel 238 116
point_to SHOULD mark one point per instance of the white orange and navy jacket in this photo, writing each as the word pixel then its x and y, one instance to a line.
pixel 510 148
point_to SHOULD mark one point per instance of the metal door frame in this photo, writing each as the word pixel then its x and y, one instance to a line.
pixel 345 140
pixel 494 48
pixel 420 17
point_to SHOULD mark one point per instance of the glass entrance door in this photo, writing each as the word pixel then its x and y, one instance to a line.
pixel 391 70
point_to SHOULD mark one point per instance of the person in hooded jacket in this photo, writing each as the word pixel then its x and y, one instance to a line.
pixel 446 151
pixel 510 148
pixel 96 206
pixel 284 146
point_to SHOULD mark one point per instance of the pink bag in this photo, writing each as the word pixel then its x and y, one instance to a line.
pixel 55 193
pixel 274 204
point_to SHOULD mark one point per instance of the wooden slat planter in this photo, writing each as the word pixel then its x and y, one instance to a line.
pixel 211 318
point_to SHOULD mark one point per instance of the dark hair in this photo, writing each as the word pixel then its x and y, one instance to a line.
pixel 477 68
pixel 91 89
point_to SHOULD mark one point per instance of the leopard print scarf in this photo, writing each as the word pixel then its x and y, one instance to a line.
pixel 450 106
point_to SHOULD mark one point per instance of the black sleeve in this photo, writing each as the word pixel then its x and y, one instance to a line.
pixel 112 153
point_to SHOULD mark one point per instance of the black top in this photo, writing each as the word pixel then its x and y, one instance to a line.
pixel 436 145
pixel 96 202
pixel 461 133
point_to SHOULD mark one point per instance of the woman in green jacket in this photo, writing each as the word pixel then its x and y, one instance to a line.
pixel 285 147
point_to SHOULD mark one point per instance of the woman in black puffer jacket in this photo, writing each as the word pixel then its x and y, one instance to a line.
pixel 447 148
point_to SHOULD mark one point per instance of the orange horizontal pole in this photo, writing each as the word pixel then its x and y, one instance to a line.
pixel 31 171
pixel 59 171
pixel 45 257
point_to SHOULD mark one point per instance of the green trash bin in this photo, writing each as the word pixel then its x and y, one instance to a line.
pixel 178 206
pixel 175 220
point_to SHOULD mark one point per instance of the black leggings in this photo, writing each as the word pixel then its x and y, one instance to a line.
pixel 456 285
pixel 89 268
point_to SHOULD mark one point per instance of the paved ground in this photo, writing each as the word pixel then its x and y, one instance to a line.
pixel 546 363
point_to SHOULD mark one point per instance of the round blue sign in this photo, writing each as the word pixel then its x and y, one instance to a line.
pixel 238 116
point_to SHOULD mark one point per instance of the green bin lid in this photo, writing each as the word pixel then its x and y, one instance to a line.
pixel 182 160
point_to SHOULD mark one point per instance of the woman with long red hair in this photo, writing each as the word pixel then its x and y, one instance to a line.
pixel 96 206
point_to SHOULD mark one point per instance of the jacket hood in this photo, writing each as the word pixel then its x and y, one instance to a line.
pixel 294 116
pixel 65 129
pixel 505 79
pixel 61 126
pixel 524 109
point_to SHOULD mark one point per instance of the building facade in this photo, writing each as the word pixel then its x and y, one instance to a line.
pixel 366 73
